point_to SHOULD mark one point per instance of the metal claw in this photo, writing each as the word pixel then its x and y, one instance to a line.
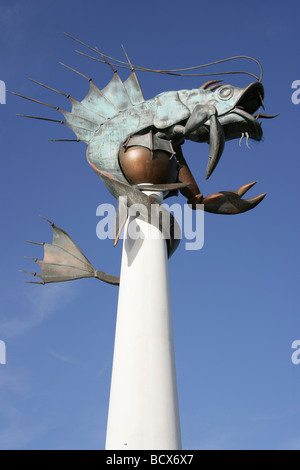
pixel 245 188
pixel 231 202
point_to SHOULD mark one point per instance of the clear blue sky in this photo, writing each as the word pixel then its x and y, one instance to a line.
pixel 235 302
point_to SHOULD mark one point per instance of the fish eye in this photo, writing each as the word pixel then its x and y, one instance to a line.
pixel 225 92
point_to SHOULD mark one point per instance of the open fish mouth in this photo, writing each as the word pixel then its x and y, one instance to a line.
pixel 241 121
pixel 237 121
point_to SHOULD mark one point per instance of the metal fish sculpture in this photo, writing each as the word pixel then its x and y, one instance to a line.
pixel 116 121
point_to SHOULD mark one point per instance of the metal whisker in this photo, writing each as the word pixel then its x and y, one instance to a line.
pixel 130 64
pixel 166 72
pixel 261 99
pixel 245 134
pixel 120 63
pixel 240 141
pixel 247 139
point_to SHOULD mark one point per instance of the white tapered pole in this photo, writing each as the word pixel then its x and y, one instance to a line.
pixel 143 407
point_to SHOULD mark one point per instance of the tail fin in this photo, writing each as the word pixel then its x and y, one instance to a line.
pixel 64 261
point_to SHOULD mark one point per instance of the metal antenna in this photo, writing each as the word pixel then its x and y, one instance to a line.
pixel 174 72
pixel 95 49
pixel 130 64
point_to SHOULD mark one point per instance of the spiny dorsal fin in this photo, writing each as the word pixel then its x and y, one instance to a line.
pixel 98 103
pixel 85 113
pixel 84 129
pixel 116 93
pixel 133 88
pixel 115 97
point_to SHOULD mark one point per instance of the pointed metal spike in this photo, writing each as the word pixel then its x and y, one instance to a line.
pixel 243 189
pixel 64 140
pixel 27 272
pixel 51 223
pixel 33 282
pixel 50 88
pixel 35 243
pixel 253 202
pixel 41 118
pixel 35 101
pixel 33 259
pixel 76 71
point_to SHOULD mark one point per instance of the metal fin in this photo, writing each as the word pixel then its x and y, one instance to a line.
pixel 84 129
pixel 167 223
pixel 64 261
pixel 133 88
pixel 80 110
pixel 116 93
pixel 98 103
